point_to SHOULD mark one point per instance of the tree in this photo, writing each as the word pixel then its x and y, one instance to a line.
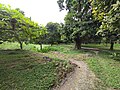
pixel 65 33
pixel 40 35
pixel 22 12
pixel 4 19
pixel 101 7
pixel 14 25
pixel 110 27
pixel 79 23
pixel 109 17
pixel 53 32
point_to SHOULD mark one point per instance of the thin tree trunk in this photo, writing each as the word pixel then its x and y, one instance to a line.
pixel 78 43
pixel 112 45
pixel 21 45
pixel 41 46
pixel 17 36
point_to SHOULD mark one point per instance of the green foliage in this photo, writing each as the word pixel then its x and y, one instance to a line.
pixel 107 12
pixel 101 7
pixel 53 33
pixel 40 35
pixel 79 23
pixel 15 26
pixel 110 25
pixel 85 18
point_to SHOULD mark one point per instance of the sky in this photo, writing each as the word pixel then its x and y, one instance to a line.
pixel 41 11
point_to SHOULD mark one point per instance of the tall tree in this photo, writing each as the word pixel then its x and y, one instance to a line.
pixel 107 12
pixel 40 35
pixel 14 26
pixel 78 21
pixel 110 27
pixel 53 32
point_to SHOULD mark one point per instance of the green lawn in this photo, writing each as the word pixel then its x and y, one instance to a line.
pixel 27 70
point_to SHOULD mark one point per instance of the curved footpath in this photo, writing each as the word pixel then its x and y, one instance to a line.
pixel 81 79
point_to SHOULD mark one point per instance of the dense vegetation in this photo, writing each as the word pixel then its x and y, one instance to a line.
pixel 91 33
pixel 88 18
pixel 87 21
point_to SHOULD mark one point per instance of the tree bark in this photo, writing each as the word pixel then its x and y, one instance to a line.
pixel 16 35
pixel 112 45
pixel 78 43
pixel 21 45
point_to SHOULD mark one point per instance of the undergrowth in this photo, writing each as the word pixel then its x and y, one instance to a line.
pixel 25 70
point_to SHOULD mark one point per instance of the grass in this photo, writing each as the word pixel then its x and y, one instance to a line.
pixel 102 46
pixel 27 70
pixel 31 47
pixel 104 64
pixel 106 69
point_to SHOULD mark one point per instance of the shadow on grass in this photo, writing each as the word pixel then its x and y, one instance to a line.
pixel 11 51
pixel 105 53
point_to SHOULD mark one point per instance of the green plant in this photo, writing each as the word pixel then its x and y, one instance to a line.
pixel 116 56
pixel 25 70
pixel 47 49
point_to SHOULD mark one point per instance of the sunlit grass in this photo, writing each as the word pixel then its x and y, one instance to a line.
pixel 15 45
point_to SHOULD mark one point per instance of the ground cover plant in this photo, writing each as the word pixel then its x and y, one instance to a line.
pixel 26 70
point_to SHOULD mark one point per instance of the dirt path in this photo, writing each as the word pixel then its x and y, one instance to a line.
pixel 81 79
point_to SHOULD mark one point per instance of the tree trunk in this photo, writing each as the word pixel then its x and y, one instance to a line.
pixel 78 43
pixel 112 45
pixel 41 46
pixel 16 35
pixel 21 45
